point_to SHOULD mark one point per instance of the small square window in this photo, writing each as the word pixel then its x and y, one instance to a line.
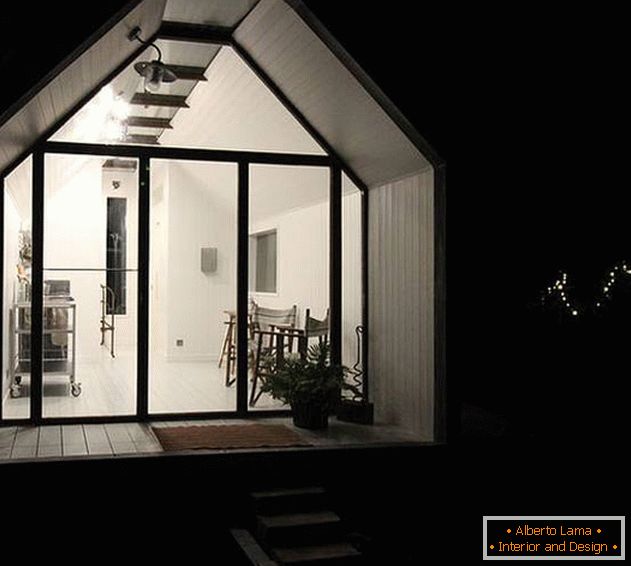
pixel 263 262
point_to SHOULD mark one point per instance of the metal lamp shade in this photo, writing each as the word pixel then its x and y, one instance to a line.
pixel 155 73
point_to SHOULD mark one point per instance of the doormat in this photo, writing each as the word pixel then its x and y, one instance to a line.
pixel 224 437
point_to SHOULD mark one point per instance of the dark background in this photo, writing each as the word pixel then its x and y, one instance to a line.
pixel 525 103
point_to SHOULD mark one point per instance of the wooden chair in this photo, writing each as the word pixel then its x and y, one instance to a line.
pixel 270 327
pixel 314 328
pixel 229 344
pixel 228 347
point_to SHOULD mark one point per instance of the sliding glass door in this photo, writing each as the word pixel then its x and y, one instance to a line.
pixel 193 287
pixel 90 281
pixel 288 266
pixel 153 283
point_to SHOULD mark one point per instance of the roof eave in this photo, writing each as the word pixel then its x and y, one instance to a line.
pixel 366 82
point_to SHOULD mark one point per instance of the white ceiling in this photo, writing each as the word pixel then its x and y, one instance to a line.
pixel 235 110
pixel 209 12
pixel 276 190
pixel 231 110
pixel 128 82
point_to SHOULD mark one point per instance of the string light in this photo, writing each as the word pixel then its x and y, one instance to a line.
pixel 560 291
pixel 618 271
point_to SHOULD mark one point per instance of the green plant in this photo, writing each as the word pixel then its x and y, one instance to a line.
pixel 306 379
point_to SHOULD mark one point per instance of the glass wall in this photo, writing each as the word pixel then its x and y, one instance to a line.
pixel 89 342
pixel 288 265
pixel 193 287
pixel 90 282
pixel 352 288
pixel 16 315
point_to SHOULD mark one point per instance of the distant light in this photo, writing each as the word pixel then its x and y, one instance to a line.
pixel 606 289
pixel 575 313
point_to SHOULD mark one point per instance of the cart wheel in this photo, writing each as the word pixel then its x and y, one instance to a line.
pixel 76 389
pixel 18 379
pixel 16 391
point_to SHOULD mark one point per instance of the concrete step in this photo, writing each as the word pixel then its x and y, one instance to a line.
pixel 338 554
pixel 250 549
pixel 296 500
pixel 299 528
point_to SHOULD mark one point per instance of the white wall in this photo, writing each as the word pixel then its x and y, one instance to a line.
pixel 302 240
pixel 159 257
pixel 401 302
pixel 294 202
pixel 76 191
pixel 303 244
pixel 194 205
pixel 201 213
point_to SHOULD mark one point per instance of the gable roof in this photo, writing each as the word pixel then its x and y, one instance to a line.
pixel 302 63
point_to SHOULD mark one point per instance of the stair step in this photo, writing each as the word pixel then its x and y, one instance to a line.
pixel 292 492
pixel 299 519
pixel 296 500
pixel 338 554
pixel 299 528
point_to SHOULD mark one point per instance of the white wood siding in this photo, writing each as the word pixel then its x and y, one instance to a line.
pixel 401 302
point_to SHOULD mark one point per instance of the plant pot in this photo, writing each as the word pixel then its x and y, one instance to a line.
pixel 359 412
pixel 309 415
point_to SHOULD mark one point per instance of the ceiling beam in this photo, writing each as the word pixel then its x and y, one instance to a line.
pixel 121 164
pixel 137 138
pixel 188 73
pixel 149 122
pixel 169 100
pixel 197 33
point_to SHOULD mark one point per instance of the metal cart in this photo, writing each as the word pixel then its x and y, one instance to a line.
pixel 58 360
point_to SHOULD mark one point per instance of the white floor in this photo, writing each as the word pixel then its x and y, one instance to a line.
pixel 109 389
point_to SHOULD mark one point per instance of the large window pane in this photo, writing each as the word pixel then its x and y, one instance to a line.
pixel 193 287
pixel 292 203
pixel 90 272
pixel 16 316
pixel 352 289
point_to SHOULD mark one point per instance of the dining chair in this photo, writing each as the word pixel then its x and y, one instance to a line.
pixel 270 327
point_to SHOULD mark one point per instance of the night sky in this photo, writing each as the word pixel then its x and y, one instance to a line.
pixel 525 104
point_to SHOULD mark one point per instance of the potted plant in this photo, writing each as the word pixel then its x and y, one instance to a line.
pixel 309 383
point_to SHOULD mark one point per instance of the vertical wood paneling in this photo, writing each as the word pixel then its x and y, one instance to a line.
pixel 401 275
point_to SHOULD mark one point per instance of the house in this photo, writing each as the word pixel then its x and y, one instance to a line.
pixel 196 164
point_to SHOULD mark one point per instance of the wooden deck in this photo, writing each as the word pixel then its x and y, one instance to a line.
pixel 124 439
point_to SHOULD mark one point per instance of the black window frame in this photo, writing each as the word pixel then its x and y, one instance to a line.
pixel 144 154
